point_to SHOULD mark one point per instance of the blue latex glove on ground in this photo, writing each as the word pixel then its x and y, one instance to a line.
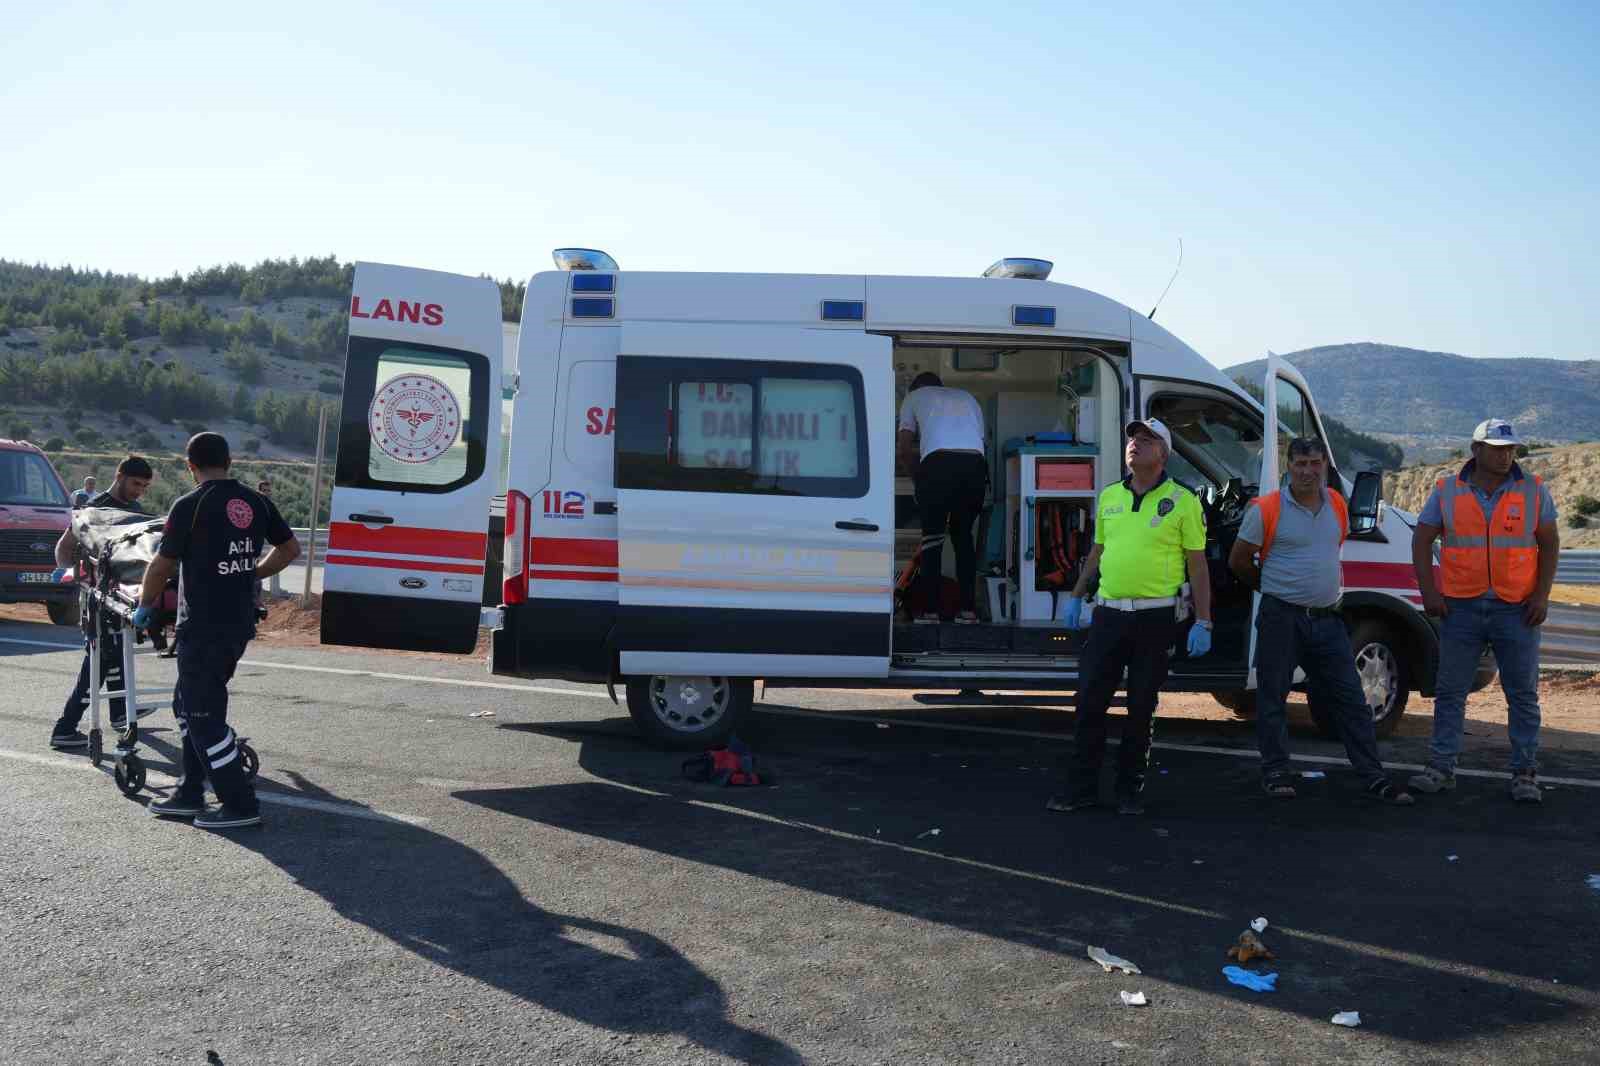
pixel 1072 612
pixel 1255 982
pixel 141 617
pixel 1199 641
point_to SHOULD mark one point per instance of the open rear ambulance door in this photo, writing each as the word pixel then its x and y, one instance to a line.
pixel 418 452
pixel 755 501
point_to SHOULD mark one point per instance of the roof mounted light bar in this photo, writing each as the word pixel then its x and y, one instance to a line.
pixel 1032 269
pixel 583 259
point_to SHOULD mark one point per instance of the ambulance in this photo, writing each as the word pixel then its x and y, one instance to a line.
pixel 700 487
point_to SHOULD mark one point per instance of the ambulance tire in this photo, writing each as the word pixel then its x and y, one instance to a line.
pixel 689 713
pixel 1242 702
pixel 1382 668
pixel 63 613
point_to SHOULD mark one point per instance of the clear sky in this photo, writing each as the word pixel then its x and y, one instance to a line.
pixel 1415 174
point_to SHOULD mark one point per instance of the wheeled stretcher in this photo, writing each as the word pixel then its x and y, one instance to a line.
pixel 114 548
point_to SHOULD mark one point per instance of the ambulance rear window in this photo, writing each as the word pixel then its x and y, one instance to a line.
pixel 413 418
pixel 695 425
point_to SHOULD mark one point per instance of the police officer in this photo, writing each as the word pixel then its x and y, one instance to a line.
pixel 1149 535
pixel 134 475
pixel 211 540
pixel 1496 566
pixel 1298 535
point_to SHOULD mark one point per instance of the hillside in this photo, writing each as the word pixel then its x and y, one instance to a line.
pixel 1571 472
pixel 1428 402
pixel 103 361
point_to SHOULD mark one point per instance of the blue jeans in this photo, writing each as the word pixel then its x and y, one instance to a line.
pixel 1286 637
pixel 1470 625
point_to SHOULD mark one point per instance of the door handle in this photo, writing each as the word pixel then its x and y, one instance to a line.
pixel 863 527
pixel 372 519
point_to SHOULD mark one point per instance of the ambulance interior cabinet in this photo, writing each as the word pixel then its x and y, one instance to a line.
pixel 1050 495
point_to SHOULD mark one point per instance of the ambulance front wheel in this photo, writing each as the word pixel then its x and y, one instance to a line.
pixel 689 713
pixel 129 775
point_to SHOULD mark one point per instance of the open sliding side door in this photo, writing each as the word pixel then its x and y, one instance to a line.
pixel 418 453
pixel 755 501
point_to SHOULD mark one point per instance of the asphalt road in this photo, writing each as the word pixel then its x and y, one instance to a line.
pixel 539 887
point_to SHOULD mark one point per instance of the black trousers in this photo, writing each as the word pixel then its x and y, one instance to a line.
pixel 1141 643
pixel 110 676
pixel 950 488
pixel 206 661
pixel 1286 637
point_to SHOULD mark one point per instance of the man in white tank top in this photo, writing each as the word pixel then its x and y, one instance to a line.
pixel 951 478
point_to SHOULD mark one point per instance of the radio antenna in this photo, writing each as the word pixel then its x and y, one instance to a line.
pixel 1170 280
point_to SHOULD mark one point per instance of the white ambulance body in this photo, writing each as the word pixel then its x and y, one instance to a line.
pixel 701 486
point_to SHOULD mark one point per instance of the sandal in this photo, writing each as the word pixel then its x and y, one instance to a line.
pixel 967 618
pixel 927 620
pixel 1386 791
pixel 1278 787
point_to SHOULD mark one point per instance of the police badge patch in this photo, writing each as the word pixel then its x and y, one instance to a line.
pixel 1164 508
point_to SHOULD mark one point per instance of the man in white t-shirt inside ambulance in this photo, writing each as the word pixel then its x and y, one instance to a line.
pixel 941 440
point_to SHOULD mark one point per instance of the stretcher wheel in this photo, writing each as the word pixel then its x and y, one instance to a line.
pixel 96 751
pixel 249 761
pixel 130 775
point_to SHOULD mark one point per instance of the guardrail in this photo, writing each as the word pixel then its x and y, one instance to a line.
pixel 1578 568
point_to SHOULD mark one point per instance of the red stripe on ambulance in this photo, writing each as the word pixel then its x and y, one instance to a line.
pixel 403 564
pixel 408 540
pixel 572 551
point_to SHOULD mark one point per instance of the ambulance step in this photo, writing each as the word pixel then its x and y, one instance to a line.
pixel 1025 640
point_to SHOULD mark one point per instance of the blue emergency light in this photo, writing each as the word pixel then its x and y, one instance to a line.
pixel 1033 316
pixel 593 283
pixel 843 311
pixel 593 307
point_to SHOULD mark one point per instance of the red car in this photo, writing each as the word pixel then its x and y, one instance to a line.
pixel 34 510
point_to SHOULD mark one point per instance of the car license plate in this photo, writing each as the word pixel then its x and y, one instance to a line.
pixel 34 577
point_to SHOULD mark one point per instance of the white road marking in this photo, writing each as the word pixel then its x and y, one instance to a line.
pixel 841 716
pixel 264 795
pixel 1443 966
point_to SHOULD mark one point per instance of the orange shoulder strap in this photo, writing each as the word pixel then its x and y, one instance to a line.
pixel 1270 505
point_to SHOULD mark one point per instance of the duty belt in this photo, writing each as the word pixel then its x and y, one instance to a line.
pixel 1138 605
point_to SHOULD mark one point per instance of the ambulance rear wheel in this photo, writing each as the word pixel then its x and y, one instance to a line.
pixel 130 775
pixel 249 762
pixel 689 713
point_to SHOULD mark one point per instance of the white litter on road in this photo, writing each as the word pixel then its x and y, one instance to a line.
pixel 929 833
pixel 1313 775
pixel 1594 882
pixel 1109 962
pixel 1259 925
pixel 1348 1018
pixel 1133 999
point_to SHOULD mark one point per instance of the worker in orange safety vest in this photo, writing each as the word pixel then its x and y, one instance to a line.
pixel 1497 561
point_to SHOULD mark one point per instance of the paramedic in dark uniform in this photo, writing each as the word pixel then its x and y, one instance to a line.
pixel 951 479
pixel 211 540
pixel 133 480
pixel 1149 537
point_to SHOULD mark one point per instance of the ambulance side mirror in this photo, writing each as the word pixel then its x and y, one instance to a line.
pixel 1365 498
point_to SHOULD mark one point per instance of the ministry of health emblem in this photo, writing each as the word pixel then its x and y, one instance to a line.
pixel 414 418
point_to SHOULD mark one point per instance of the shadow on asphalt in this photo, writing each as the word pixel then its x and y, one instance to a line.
pixel 446 903
pixel 1367 910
